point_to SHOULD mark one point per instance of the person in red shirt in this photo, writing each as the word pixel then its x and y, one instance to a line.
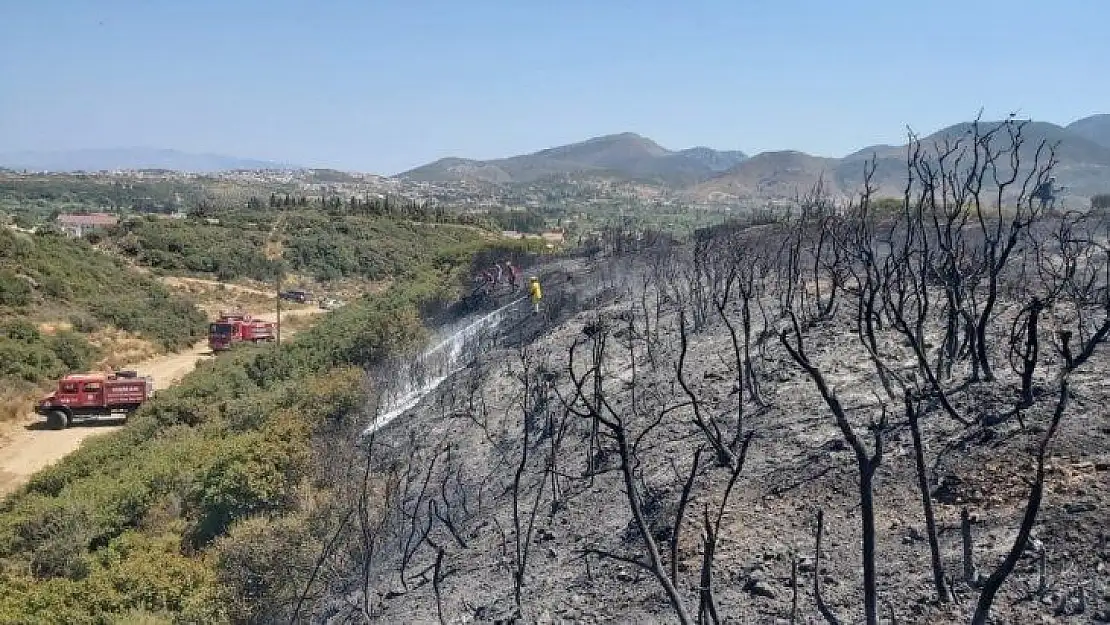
pixel 513 274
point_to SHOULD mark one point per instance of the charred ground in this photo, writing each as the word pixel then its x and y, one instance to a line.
pixel 661 445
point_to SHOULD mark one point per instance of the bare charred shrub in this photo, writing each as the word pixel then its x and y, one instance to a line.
pixel 657 509
pixel 1036 493
pixel 1073 265
pixel 397 521
pixel 867 461
pixel 966 237
pixel 541 419
pixel 822 607
pixel 1073 273
pixel 912 416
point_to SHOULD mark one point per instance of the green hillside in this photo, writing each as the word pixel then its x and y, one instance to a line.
pixel 317 244
pixel 51 281
pixel 183 515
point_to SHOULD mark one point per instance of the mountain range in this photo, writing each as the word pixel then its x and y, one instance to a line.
pixel 1083 155
pixel 108 159
pixel 626 155
pixel 697 174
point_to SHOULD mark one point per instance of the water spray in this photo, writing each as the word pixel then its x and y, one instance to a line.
pixel 426 372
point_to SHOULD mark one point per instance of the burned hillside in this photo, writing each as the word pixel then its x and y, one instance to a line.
pixel 844 416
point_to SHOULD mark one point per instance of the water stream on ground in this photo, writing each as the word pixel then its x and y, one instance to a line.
pixel 417 377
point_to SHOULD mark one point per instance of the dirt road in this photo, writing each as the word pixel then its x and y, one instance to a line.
pixel 29 447
pixel 179 281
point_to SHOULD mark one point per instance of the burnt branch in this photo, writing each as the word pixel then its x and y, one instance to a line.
pixel 912 414
pixel 867 463
pixel 1029 519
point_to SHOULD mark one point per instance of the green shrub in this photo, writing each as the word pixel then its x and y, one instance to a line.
pixel 254 561
pixel 22 331
pixel 84 323
pixel 51 534
pixel 27 355
pixel 323 245
pixel 248 474
pixel 73 350
pixel 136 578
pixel 14 290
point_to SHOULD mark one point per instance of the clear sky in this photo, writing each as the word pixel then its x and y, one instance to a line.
pixel 385 85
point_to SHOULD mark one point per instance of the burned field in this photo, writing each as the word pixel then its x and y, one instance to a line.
pixel 846 416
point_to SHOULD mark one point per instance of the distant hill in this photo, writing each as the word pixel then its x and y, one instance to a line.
pixel 1083 165
pixel 626 155
pixel 769 174
pixel 1095 128
pixel 703 173
pixel 130 158
pixel 714 160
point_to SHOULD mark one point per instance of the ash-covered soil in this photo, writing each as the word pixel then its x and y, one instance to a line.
pixel 457 462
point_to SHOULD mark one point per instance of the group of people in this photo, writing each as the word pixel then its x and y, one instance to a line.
pixel 491 277
pixel 494 275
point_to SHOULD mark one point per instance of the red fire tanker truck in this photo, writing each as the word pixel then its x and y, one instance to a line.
pixel 237 327
pixel 84 396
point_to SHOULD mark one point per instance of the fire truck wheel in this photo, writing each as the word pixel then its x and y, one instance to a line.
pixel 57 420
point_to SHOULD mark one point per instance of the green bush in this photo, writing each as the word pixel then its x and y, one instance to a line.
pixel 72 350
pixel 14 290
pixel 253 561
pixel 323 245
pixel 137 578
pixel 84 323
pixel 248 474
pixel 27 355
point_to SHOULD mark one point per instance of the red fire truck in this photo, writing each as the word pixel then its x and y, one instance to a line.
pixel 237 327
pixel 82 396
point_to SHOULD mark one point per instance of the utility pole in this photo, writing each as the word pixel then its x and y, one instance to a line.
pixel 273 253
pixel 277 293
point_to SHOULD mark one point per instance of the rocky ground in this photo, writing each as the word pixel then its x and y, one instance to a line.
pixel 798 464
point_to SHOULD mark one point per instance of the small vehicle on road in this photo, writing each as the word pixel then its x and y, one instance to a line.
pixel 330 303
pixel 297 295
pixel 89 396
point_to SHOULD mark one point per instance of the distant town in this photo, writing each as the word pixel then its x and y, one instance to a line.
pixel 560 203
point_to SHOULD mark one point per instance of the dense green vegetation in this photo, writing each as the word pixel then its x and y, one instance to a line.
pixel 51 278
pixel 319 244
pixel 228 251
pixel 28 355
pixel 215 482
pixel 44 195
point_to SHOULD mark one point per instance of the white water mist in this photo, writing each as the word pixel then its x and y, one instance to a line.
pixel 419 376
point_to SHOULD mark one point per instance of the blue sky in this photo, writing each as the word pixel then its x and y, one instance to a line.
pixel 382 86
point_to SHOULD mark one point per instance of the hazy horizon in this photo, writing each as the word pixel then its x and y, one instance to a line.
pixel 385 89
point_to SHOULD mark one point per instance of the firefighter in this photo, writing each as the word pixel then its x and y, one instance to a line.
pixel 513 274
pixel 536 293
pixel 482 282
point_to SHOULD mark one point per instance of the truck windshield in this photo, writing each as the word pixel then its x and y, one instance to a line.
pixel 220 329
